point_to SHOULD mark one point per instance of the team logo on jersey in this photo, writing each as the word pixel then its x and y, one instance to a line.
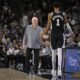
pixel 57 16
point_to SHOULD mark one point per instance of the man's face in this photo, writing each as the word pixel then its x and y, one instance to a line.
pixel 34 21
pixel 56 8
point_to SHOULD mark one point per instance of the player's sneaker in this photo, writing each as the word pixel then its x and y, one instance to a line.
pixel 59 74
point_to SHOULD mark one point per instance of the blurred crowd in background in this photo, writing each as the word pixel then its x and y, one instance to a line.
pixel 15 15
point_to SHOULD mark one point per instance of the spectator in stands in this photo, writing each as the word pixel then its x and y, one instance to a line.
pixel 70 42
pixel 46 56
pixel 4 41
pixel 79 40
pixel 24 22
pixel 16 53
pixel 8 43
pixel 10 57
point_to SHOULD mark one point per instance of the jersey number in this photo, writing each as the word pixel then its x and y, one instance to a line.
pixel 57 22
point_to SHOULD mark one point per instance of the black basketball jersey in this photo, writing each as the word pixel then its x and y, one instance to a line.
pixel 57 23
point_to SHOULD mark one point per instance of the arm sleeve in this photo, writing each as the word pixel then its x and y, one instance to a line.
pixel 69 28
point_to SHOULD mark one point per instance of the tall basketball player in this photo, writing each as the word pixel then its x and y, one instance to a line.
pixel 57 19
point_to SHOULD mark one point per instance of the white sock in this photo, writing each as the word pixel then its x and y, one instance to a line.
pixel 59 53
pixel 53 58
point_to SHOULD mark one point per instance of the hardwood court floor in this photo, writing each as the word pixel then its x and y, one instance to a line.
pixel 10 74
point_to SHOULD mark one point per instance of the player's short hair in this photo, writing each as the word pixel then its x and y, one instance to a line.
pixel 57 5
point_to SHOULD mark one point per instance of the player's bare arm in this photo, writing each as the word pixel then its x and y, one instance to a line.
pixel 45 31
pixel 48 23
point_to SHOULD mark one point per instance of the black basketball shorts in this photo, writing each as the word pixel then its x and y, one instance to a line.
pixel 57 41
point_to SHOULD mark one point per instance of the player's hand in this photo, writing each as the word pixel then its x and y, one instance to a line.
pixel 45 37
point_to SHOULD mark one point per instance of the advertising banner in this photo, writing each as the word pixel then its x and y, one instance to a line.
pixel 72 60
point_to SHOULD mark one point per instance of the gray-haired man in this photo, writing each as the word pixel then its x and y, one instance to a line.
pixel 32 42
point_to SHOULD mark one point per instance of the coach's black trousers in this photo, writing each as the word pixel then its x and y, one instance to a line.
pixel 29 57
